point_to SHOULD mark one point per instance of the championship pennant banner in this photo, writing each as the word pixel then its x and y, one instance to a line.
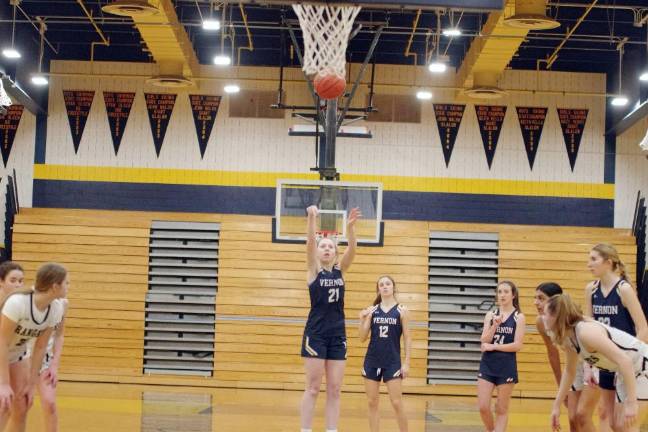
pixel 448 118
pixel 159 107
pixel 572 122
pixel 118 108
pixel 77 104
pixel 8 127
pixel 532 121
pixel 204 109
pixel 490 119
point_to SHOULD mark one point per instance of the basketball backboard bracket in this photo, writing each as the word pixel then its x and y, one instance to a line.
pixel 330 118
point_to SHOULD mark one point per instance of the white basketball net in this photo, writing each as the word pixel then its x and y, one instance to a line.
pixel 4 98
pixel 326 30
pixel 644 142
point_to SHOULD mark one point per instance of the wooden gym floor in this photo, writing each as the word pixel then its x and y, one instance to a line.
pixel 91 407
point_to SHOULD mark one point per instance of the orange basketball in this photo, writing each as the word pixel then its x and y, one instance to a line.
pixel 329 86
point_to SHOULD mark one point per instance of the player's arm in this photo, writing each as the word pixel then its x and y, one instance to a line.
pixel 631 302
pixel 311 244
pixel 350 251
pixel 407 340
pixel 7 330
pixel 566 380
pixel 59 336
pixel 364 327
pixel 587 304
pixel 38 353
pixel 517 343
pixel 595 339
pixel 552 351
pixel 489 328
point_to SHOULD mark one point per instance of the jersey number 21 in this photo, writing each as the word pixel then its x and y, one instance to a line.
pixel 334 295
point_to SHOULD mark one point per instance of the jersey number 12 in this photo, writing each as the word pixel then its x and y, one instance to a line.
pixel 383 331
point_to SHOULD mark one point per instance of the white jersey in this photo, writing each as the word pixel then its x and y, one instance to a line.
pixel 31 322
pixel 630 345
pixel 579 379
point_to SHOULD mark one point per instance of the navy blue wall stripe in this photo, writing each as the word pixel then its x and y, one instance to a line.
pixel 261 201
pixel 41 138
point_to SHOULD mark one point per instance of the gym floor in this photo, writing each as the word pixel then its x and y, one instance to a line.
pixel 92 407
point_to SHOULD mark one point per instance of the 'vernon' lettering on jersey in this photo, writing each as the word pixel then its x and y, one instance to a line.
pixel 385 320
pixel 332 282
pixel 606 309
pixel 507 330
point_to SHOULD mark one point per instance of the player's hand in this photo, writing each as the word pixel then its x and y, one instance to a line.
pixel 6 397
pixel 589 377
pixel 364 313
pixel 630 412
pixel 354 215
pixel 555 419
pixel 405 370
pixel 487 347
pixel 50 376
pixel 28 394
pixel 497 320
pixel 312 211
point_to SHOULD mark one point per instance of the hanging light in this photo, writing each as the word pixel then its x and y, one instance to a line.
pixel 211 24
pixel 232 88
pixel 222 60
pixel 12 52
pixel 38 78
pixel 452 32
pixel 424 95
pixel 644 74
pixel 438 64
pixel 620 99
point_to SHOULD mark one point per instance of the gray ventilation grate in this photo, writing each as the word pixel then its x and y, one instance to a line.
pixel 181 299
pixel 461 287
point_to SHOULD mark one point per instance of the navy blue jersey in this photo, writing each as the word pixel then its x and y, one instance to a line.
pixel 326 317
pixel 610 310
pixel 499 363
pixel 384 346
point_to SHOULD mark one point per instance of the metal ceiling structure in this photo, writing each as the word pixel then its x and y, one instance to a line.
pixel 587 40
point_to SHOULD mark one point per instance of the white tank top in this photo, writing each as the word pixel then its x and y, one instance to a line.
pixel 31 322
pixel 631 346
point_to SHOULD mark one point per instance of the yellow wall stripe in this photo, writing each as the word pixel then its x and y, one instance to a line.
pixel 269 179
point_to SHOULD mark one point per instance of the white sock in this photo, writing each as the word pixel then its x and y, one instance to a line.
pixel 306 430
pixel 331 430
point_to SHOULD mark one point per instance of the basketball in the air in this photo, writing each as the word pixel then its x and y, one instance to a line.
pixel 329 86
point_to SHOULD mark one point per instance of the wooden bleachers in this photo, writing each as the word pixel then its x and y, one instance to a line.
pixel 264 283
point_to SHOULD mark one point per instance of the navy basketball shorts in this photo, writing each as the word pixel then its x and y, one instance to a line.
pixel 324 347
pixel 606 380
pixel 382 374
pixel 499 380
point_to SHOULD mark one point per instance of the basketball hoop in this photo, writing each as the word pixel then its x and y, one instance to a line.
pixel 326 30
pixel 333 235
pixel 644 142
pixel 4 98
